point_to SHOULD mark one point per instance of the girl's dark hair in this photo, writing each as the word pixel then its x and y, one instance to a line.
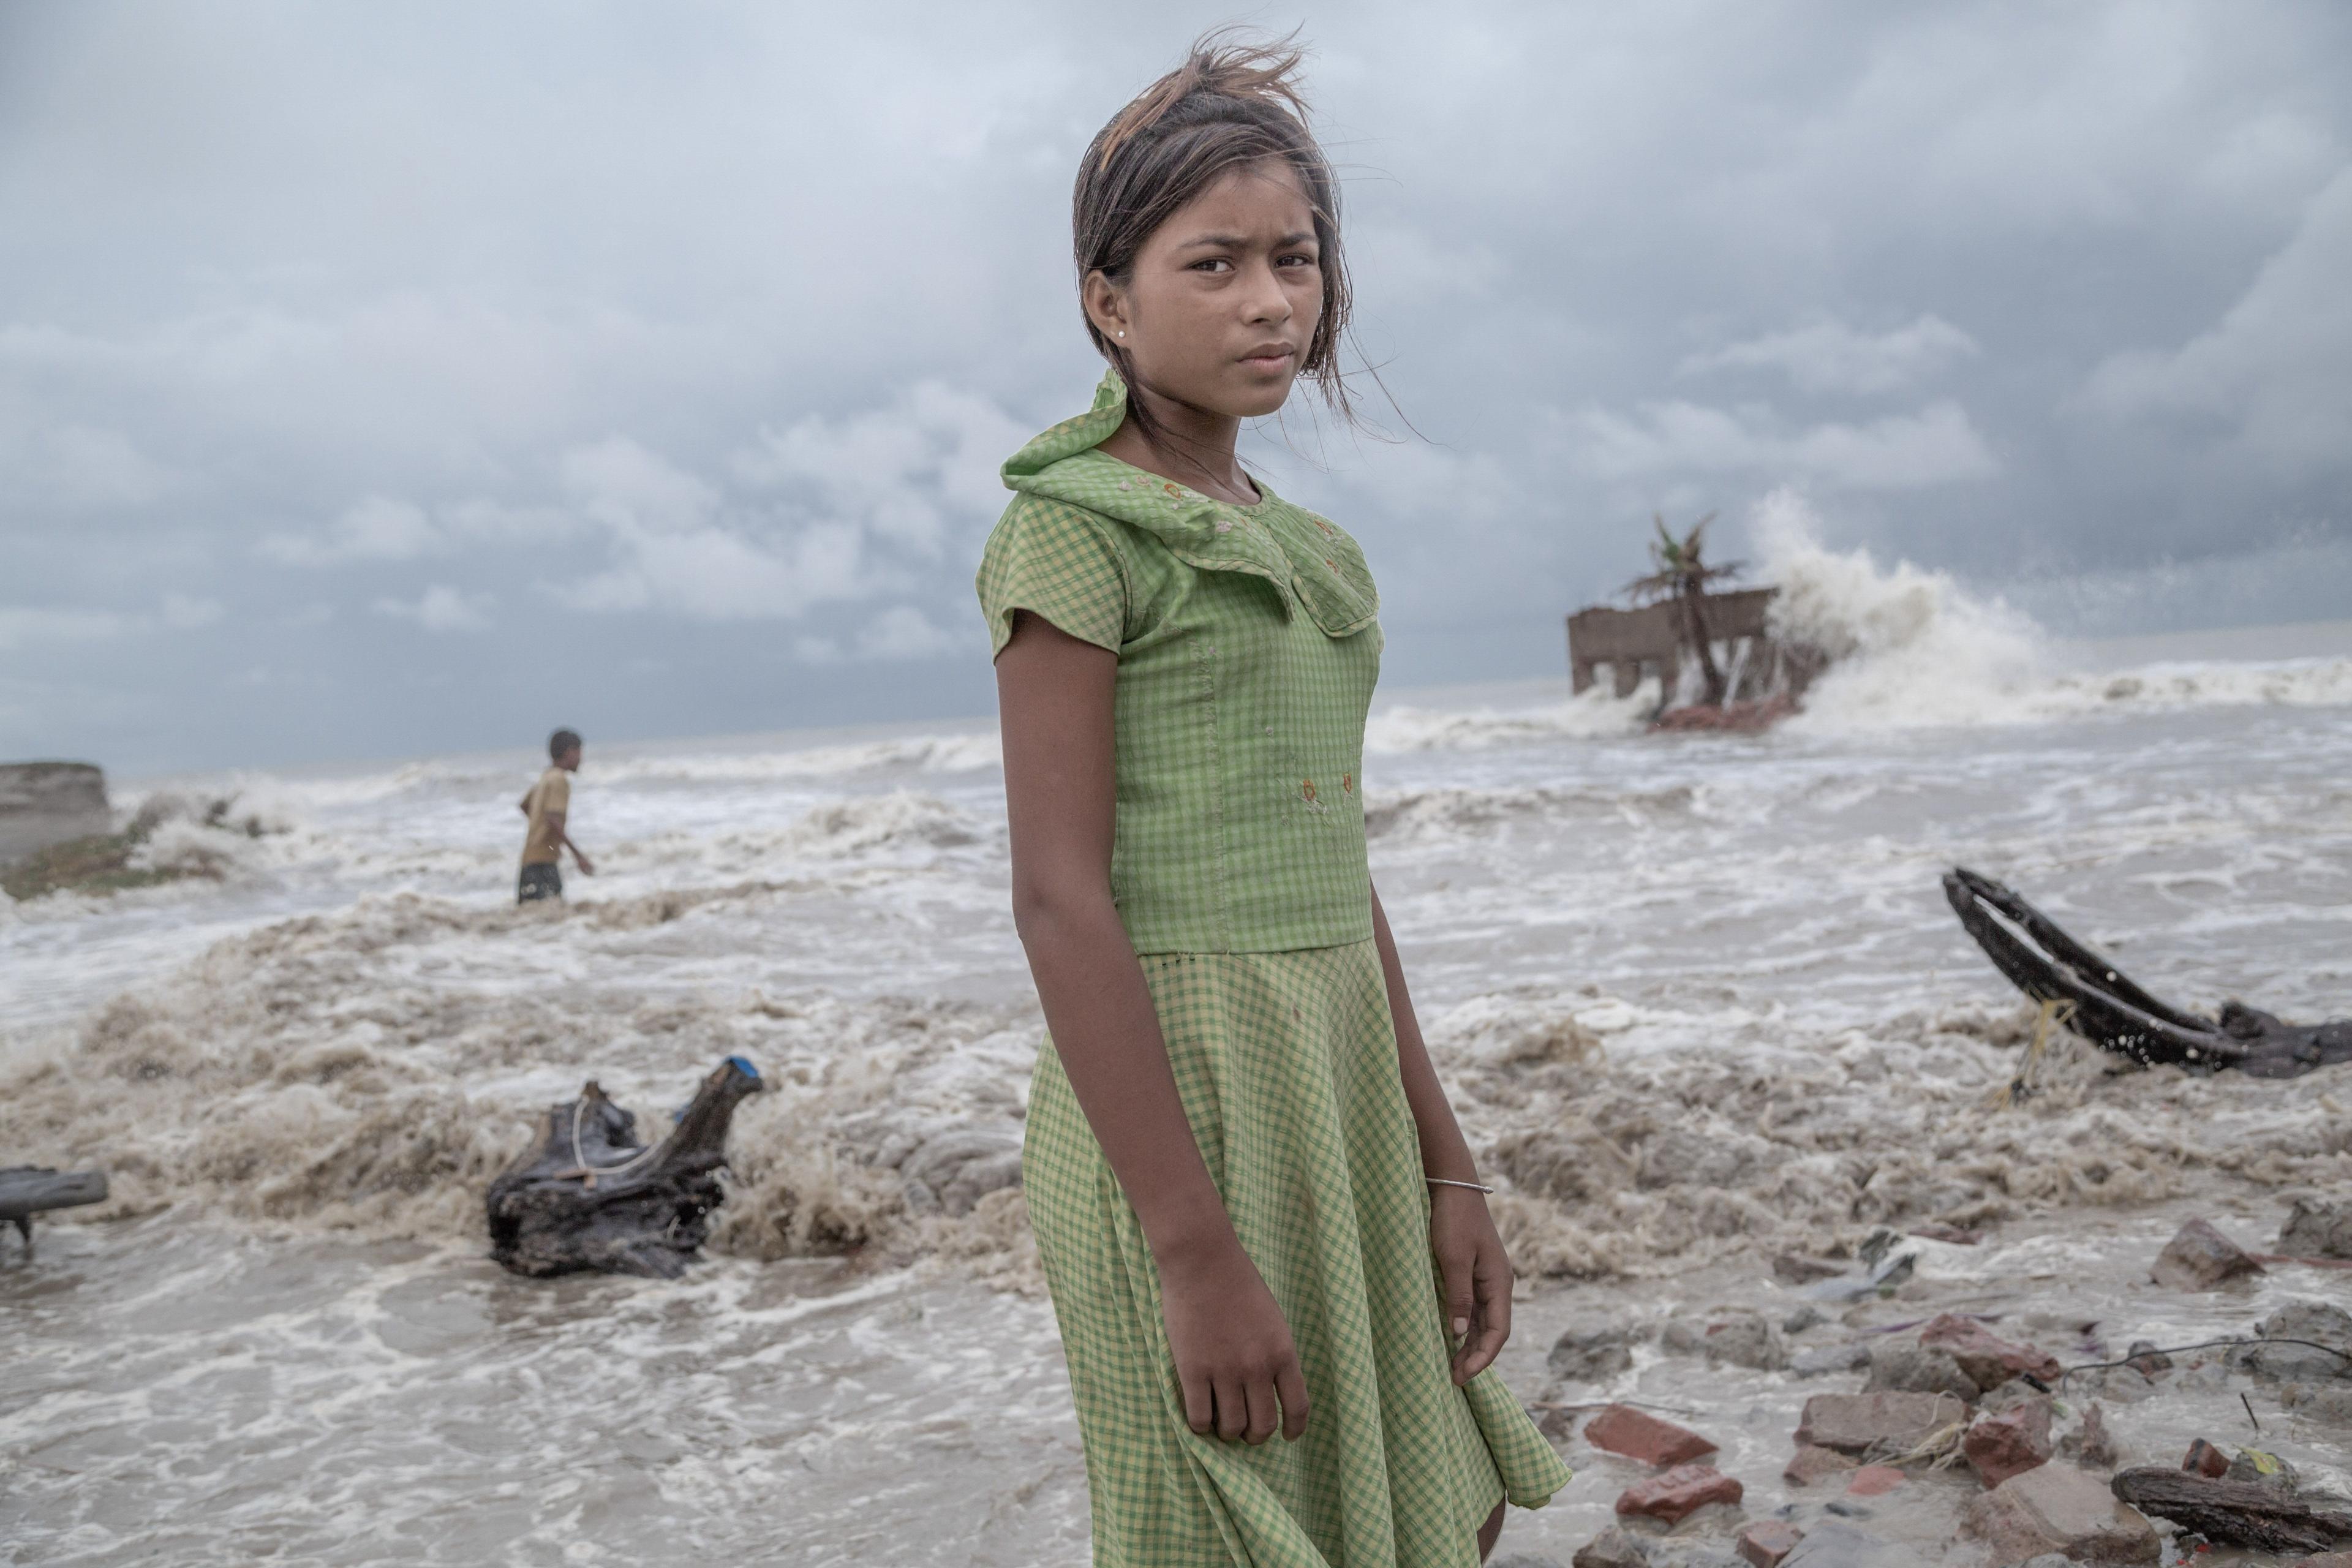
pixel 1232 102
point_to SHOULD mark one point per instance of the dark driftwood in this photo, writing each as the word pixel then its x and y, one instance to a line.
pixel 2109 1010
pixel 28 1189
pixel 591 1196
pixel 2232 1514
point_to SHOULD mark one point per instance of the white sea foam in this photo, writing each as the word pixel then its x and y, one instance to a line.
pixel 1590 715
pixel 943 754
pixel 1913 648
pixel 373 1068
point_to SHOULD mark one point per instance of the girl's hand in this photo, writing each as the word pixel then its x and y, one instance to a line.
pixel 1234 1359
pixel 1478 1277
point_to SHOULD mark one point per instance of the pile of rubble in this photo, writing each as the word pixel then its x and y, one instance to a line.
pixel 1957 1429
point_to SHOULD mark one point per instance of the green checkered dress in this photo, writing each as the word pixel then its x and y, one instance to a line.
pixel 1247 649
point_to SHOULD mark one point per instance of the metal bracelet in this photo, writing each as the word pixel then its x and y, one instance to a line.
pixel 1474 1186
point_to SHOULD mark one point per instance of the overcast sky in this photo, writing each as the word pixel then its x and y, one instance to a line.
pixel 379 380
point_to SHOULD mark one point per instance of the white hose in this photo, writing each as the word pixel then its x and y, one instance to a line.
pixel 578 1109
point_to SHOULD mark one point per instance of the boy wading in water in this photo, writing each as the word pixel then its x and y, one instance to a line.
pixel 1239 1163
pixel 545 805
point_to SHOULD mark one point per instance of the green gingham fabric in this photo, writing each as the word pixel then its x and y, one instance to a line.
pixel 1248 647
pixel 1287 1064
pixel 1248 650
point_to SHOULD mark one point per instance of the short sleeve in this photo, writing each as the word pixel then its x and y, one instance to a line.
pixel 1056 561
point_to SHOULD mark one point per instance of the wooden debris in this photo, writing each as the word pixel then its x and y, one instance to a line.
pixel 591 1196
pixel 2232 1514
pixel 2112 1012
pixel 28 1189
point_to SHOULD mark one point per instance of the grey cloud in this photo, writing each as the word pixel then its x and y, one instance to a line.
pixel 22 625
pixel 443 608
pixel 2273 369
pixel 668 356
pixel 376 528
pixel 1830 356
pixel 1936 445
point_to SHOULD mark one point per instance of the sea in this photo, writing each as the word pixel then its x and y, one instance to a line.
pixel 1699 998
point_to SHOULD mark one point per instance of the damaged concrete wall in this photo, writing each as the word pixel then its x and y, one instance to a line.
pixel 1649 641
pixel 43 803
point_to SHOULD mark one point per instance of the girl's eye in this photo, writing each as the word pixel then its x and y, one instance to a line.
pixel 1296 261
pixel 1212 264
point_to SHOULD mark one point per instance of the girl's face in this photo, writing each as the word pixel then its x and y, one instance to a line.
pixel 1224 297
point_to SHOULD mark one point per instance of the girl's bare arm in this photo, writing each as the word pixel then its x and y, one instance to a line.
pixel 1470 1256
pixel 1234 1357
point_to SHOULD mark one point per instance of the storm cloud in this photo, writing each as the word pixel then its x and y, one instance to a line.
pixel 395 379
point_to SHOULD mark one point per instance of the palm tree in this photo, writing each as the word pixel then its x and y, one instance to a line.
pixel 1682 573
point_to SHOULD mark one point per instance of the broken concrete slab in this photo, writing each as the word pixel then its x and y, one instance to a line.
pixel 2200 1257
pixel 1877 1423
pixel 2057 1508
pixel 1638 1435
pixel 1917 1369
pixel 1740 1339
pixel 2262 1468
pixel 1676 1494
pixel 1820 1361
pixel 2317 1227
pixel 1612 1548
pixel 2321 1323
pixel 1832 1543
pixel 1592 1350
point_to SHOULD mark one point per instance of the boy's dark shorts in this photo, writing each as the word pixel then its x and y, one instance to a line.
pixel 539 881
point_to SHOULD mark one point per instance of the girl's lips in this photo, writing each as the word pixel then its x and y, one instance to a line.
pixel 1273 360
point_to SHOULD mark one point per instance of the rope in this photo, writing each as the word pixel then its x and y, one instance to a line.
pixel 2055 1014
pixel 2201 1345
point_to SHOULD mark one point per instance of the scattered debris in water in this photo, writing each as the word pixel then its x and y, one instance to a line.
pixel 591 1196
pixel 2105 1007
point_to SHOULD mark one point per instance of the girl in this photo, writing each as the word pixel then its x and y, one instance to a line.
pixel 1239 1163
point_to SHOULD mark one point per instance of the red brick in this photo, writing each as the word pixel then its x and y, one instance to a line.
pixel 1873 1480
pixel 2009 1444
pixel 2206 1460
pixel 1767 1541
pixel 1622 1429
pixel 1987 1360
pixel 1811 1463
pixel 1674 1495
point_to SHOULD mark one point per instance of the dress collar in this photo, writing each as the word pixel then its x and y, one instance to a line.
pixel 1310 562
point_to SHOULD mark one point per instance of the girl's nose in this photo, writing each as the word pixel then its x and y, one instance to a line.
pixel 1268 299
